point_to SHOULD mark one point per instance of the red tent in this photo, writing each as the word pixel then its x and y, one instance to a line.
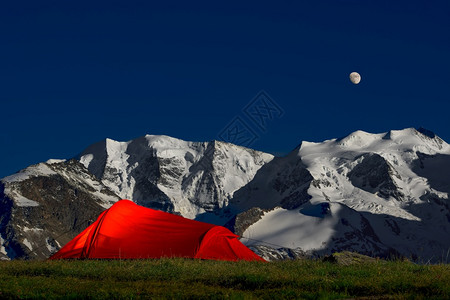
pixel 127 231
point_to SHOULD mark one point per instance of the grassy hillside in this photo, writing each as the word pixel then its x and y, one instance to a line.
pixel 185 278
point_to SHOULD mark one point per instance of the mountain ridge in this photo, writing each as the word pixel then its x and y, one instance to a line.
pixel 376 194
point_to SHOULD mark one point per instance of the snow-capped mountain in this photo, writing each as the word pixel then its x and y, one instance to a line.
pixel 377 194
pixel 173 175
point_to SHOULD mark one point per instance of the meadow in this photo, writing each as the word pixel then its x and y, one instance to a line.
pixel 201 279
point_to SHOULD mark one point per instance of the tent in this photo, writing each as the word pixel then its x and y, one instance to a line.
pixel 129 231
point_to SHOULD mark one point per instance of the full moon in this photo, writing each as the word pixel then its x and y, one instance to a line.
pixel 355 78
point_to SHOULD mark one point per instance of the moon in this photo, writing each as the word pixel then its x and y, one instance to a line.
pixel 355 78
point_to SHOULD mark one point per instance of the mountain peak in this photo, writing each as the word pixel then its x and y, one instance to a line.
pixel 359 138
pixel 163 139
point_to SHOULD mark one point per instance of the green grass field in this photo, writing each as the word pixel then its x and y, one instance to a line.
pixel 197 279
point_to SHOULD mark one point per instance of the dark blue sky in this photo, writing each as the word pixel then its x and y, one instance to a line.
pixel 73 72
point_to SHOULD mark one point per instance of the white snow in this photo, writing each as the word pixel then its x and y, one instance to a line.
pixel 36 170
pixel 106 200
pixel 28 244
pixel 86 159
pixel 25 202
pixel 404 224
pixel 119 164
pixel 83 179
pixel 33 230
pixel 2 246
pixel 43 169
pixel 333 159
pixel 359 139
pixel 20 200
pixel 290 229
pixel 123 165
pixel 55 161
pixel 50 248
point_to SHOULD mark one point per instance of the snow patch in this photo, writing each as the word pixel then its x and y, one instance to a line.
pixel 34 230
pixel 33 171
pixel 25 202
pixel 20 200
pixel 86 159
pixel 291 229
pixel 106 200
pixel 50 247
pixel 28 244
pixel 55 161
pixel 2 247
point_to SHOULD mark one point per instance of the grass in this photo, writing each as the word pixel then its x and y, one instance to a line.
pixel 198 279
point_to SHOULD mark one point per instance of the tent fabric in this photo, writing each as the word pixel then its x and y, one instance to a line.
pixel 129 231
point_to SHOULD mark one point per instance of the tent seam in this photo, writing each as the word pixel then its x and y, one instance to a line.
pixel 92 239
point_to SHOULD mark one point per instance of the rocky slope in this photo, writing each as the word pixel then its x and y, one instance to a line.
pixel 46 205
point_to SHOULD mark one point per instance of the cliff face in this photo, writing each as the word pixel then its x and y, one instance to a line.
pixel 46 205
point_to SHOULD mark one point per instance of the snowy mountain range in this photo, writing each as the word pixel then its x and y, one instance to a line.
pixel 376 194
